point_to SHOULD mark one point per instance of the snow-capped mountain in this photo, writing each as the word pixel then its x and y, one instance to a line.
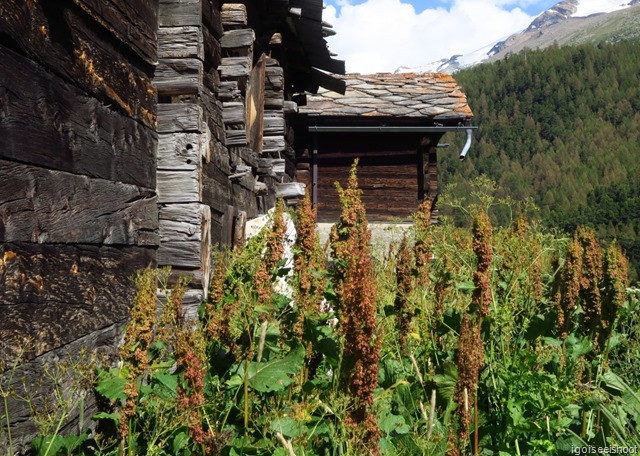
pixel 567 22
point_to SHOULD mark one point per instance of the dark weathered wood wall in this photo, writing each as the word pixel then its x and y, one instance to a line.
pixel 78 206
pixel 392 171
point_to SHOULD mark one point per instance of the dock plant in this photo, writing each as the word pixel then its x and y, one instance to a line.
pixel 501 340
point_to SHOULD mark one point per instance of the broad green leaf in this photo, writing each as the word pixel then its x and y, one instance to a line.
pixel 288 427
pixel 72 442
pixel 273 375
pixel 115 417
pixel 112 385
pixel 466 286
pixel 180 442
pixel 170 381
pixel 393 423
pixel 48 444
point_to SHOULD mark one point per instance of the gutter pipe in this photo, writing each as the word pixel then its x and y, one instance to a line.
pixel 398 129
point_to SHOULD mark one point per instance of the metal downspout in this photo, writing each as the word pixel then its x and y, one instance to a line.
pixel 467 144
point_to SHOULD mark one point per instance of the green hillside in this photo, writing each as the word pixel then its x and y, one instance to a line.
pixel 561 126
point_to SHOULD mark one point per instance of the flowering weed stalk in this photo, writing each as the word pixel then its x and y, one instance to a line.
pixel 355 286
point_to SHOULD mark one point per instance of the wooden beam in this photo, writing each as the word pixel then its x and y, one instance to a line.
pixel 66 41
pixel 133 22
pixel 46 121
pixel 290 190
pixel 41 205
pixel 180 117
pixel 238 43
pixel 175 13
pixel 179 186
pixel 57 293
pixel 181 42
pixel 179 76
pixel 234 16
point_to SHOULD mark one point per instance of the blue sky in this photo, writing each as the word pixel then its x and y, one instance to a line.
pixel 382 35
pixel 531 7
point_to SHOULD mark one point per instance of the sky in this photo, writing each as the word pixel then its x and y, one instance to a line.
pixel 382 35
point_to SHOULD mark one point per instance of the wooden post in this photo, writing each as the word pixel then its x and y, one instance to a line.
pixel 420 167
pixel 255 105
pixel 314 174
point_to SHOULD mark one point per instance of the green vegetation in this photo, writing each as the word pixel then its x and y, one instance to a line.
pixel 561 127
pixel 489 340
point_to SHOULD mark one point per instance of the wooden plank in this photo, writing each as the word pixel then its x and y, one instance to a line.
pixel 234 16
pixel 255 105
pixel 238 43
pixel 182 151
pixel 180 42
pixel 57 293
pixel 215 194
pixel 186 240
pixel 235 67
pixel 180 117
pixel 66 41
pixel 235 138
pixel 233 113
pixel 274 78
pixel 174 13
pixel 179 76
pixel 45 121
pixel 274 100
pixel 227 225
pixel 273 144
pixel 179 186
pixel 274 123
pixel 239 235
pixel 229 91
pixel 184 222
pixel 133 22
pixel 290 190
pixel 41 205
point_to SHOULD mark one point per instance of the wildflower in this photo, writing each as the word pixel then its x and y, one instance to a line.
pixel 356 291
pixel 469 360
pixel 137 339
pixel 423 241
pixel 614 282
pixel 482 233
pixel 569 287
pixel 404 313
pixel 590 279
pixel 274 249
pixel 308 265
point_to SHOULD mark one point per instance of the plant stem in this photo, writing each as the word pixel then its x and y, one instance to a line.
pixel 432 412
pixel 475 424
pixel 246 396
pixel 6 417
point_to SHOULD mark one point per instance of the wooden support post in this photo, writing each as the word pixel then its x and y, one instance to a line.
pixel 420 167
pixel 314 174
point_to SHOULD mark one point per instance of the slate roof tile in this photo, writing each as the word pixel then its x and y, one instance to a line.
pixel 432 95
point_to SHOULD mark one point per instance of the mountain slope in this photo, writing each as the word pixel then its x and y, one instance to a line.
pixel 569 22
pixel 548 29
pixel 560 126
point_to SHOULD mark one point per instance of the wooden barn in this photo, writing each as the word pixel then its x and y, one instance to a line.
pixel 393 123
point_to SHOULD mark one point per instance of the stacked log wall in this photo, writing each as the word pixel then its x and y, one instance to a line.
pixel 222 131
pixel 78 205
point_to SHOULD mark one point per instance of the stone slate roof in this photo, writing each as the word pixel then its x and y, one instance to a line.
pixel 433 96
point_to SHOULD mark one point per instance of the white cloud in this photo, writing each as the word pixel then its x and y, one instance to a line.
pixel 382 35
